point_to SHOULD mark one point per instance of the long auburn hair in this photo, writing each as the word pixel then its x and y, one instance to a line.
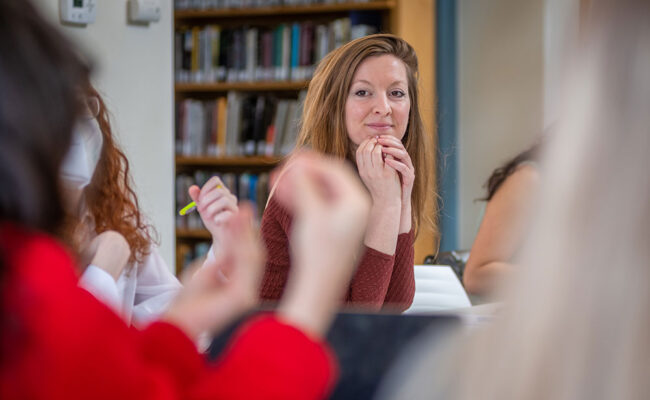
pixel 110 197
pixel 322 127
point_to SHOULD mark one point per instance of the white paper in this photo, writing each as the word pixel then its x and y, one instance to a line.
pixel 437 288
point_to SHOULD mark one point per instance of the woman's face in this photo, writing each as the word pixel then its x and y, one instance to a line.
pixel 378 102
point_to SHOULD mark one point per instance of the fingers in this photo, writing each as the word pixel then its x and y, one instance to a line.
pixel 214 202
pixel 406 172
pixel 395 147
pixel 213 185
pixel 397 153
pixel 217 203
pixel 390 141
pixel 376 156
pixel 363 155
pixel 194 192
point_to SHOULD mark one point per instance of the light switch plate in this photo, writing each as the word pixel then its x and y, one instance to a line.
pixel 78 11
pixel 144 11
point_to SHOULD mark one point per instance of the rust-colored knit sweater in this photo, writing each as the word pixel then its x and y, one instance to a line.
pixel 380 281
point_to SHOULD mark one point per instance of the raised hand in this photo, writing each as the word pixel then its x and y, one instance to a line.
pixel 398 158
pixel 209 301
pixel 330 209
pixel 216 205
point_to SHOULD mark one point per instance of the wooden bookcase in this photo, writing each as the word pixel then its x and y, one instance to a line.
pixel 411 19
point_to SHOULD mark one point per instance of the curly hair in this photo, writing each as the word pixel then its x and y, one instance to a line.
pixel 110 197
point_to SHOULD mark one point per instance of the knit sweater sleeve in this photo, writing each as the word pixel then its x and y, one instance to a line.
pixel 401 289
pixel 276 228
pixel 385 281
pixel 370 281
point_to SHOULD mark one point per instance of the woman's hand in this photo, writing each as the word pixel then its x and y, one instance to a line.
pixel 330 209
pixel 209 301
pixel 108 251
pixel 216 205
pixel 381 179
pixel 399 159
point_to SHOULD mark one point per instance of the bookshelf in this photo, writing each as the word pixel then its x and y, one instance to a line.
pixel 261 86
pixel 216 83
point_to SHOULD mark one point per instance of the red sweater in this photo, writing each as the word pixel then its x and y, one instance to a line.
pixel 380 281
pixel 58 342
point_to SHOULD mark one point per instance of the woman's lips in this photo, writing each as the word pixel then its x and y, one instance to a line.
pixel 380 127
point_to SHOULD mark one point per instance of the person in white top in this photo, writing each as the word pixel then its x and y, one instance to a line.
pixel 103 213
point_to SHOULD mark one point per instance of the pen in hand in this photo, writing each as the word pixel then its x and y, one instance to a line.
pixel 190 207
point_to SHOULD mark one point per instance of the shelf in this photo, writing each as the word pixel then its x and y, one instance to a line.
pixel 284 10
pixel 193 234
pixel 209 161
pixel 241 86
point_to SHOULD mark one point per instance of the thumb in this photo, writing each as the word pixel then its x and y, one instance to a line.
pixel 194 192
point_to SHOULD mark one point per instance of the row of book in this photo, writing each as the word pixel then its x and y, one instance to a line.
pixel 288 51
pixel 217 4
pixel 240 124
pixel 189 252
pixel 250 187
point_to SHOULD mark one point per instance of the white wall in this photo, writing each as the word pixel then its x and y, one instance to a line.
pixel 561 28
pixel 134 74
pixel 501 91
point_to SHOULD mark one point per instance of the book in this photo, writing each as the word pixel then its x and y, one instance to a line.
pixel 293 123
pixel 233 126
pixel 247 130
pixel 295 51
pixel 250 70
pixel 222 110
pixel 280 126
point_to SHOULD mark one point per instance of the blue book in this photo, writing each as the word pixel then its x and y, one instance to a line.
pixel 295 50
pixel 252 193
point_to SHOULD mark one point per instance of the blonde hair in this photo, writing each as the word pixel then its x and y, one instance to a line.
pixel 576 324
pixel 323 119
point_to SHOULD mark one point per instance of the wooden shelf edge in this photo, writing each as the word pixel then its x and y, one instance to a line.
pixel 180 15
pixel 242 86
pixel 193 234
pixel 227 161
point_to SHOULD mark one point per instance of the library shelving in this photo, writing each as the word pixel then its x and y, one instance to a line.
pixel 241 70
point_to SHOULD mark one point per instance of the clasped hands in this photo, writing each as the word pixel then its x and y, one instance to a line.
pixel 386 169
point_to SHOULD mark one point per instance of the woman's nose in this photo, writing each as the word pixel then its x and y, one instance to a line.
pixel 381 105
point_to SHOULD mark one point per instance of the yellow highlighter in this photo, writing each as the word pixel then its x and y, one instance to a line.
pixel 190 207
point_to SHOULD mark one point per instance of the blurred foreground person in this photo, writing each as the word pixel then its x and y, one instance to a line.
pixel 577 321
pixel 58 341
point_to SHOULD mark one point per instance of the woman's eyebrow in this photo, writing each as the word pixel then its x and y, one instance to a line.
pixel 399 81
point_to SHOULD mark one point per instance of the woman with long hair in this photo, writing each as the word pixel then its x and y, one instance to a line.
pixel 362 106
pixel 576 322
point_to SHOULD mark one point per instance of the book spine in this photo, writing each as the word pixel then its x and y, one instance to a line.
pixel 295 51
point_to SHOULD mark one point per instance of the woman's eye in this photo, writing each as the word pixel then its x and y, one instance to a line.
pixel 397 93
pixel 361 93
